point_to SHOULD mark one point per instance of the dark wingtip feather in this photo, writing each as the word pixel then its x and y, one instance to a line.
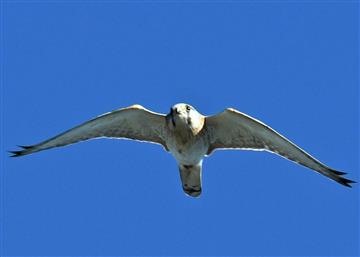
pixel 346 182
pixel 25 146
pixel 25 150
pixel 338 172
pixel 15 153
pixel 338 177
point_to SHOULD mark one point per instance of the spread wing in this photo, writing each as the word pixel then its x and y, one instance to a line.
pixel 233 129
pixel 134 122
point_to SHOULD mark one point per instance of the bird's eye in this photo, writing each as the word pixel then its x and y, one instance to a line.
pixel 188 108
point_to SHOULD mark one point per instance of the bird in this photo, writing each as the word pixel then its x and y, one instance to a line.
pixel 189 136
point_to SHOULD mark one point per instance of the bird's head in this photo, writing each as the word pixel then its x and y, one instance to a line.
pixel 184 116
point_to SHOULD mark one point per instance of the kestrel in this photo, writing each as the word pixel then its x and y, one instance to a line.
pixel 189 136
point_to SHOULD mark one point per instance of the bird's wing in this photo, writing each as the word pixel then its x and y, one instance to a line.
pixel 233 129
pixel 134 122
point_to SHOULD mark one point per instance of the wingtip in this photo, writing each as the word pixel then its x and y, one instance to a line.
pixel 348 182
pixel 26 149
pixel 15 153
pixel 340 173
pixel 25 146
pixel 338 176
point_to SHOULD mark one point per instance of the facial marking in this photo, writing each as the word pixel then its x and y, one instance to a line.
pixel 173 121
pixel 189 121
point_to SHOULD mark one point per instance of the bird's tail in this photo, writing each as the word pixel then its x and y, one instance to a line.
pixel 191 179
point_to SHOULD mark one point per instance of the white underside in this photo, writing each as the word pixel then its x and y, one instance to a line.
pixel 191 153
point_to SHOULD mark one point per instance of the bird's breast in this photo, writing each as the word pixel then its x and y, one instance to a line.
pixel 189 152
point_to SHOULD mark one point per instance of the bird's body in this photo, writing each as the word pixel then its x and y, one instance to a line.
pixel 190 152
pixel 185 139
pixel 189 136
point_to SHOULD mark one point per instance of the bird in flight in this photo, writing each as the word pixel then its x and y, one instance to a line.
pixel 189 136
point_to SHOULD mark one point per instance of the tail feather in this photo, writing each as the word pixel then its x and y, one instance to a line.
pixel 191 179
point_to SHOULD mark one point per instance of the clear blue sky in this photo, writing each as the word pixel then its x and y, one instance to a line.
pixel 292 65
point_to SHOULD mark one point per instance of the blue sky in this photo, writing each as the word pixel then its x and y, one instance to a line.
pixel 292 65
